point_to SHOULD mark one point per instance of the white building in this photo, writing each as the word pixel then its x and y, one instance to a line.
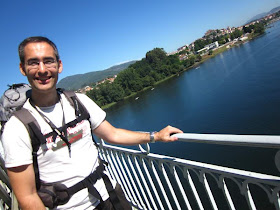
pixel 243 38
pixel 209 47
pixel 212 45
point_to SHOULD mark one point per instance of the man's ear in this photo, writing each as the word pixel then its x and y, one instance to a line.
pixel 22 69
pixel 60 66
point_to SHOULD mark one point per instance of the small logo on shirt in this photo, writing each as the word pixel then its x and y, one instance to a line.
pixel 73 134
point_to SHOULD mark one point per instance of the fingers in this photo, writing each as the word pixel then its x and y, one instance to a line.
pixel 165 134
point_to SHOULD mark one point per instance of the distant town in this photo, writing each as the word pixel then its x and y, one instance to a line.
pixel 212 40
pixel 224 36
pixel 89 88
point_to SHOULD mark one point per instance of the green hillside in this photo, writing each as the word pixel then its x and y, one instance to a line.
pixel 78 81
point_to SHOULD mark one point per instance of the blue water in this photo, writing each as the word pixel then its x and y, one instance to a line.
pixel 236 92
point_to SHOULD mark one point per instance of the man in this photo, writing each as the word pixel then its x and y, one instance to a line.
pixel 40 63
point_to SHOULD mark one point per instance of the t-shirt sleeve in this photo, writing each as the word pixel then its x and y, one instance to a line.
pixel 97 115
pixel 16 143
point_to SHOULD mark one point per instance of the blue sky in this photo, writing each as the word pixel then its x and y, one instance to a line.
pixel 94 35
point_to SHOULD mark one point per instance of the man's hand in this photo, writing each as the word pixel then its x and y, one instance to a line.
pixel 125 137
pixel 165 134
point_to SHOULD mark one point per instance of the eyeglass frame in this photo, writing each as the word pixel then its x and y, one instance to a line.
pixel 48 62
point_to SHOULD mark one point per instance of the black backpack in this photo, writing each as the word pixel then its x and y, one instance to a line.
pixel 13 99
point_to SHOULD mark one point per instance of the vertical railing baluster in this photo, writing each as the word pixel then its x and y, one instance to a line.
pixel 5 196
pixel 181 189
pixel 131 181
pixel 113 166
pixel 209 192
pixel 111 163
pixel 103 155
pixel 120 175
pixel 277 201
pixel 153 186
pixel 249 198
pixel 151 183
pixel 125 181
pixel 155 190
pixel 110 167
pixel 227 195
pixel 196 195
pixel 170 187
pixel 138 183
pixel 2 204
pixel 144 182
pixel 161 186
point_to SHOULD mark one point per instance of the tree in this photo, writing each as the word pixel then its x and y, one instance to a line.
pixel 125 77
pixel 148 81
pixel 247 29
pixel 259 28
pixel 198 58
pixel 192 60
pixel 186 63
pixel 236 34
pixel 156 76
pixel 155 67
pixel 112 92
pixel 155 56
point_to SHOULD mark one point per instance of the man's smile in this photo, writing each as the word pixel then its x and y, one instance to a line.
pixel 43 79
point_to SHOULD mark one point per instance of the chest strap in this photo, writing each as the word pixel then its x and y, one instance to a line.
pixel 64 194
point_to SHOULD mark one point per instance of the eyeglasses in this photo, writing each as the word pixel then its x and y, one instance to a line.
pixel 48 63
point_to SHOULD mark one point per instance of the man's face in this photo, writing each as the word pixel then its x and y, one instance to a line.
pixel 41 66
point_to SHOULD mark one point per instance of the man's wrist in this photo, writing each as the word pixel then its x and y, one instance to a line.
pixel 152 136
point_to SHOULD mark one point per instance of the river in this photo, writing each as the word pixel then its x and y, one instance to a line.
pixel 236 92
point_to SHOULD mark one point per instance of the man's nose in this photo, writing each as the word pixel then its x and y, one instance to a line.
pixel 42 67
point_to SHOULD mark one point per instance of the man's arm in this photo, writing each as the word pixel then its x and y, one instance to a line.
pixel 126 137
pixel 22 179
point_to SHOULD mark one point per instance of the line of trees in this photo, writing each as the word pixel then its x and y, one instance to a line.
pixel 154 67
pixel 157 66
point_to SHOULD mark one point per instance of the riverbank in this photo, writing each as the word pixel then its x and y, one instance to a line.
pixel 144 89
pixel 195 65
pixel 204 58
pixel 169 77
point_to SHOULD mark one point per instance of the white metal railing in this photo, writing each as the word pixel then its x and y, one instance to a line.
pixel 152 181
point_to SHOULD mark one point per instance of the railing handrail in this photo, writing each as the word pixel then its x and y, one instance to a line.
pixel 267 141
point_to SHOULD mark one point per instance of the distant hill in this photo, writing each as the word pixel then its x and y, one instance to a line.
pixel 78 81
pixel 259 16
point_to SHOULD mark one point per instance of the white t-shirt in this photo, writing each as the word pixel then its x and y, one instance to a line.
pixel 55 162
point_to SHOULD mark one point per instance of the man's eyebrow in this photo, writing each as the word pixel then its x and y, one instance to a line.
pixel 50 57
pixel 32 59
pixel 36 59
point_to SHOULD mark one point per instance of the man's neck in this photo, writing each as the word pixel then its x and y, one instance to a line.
pixel 44 99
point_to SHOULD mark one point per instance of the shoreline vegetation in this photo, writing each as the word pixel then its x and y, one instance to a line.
pixel 158 67
pixel 197 64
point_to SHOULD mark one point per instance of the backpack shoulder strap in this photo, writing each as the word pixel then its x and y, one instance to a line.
pixel 36 137
pixel 75 102
pixel 80 109
pixel 31 125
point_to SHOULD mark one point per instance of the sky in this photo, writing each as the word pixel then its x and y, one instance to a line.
pixel 93 35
